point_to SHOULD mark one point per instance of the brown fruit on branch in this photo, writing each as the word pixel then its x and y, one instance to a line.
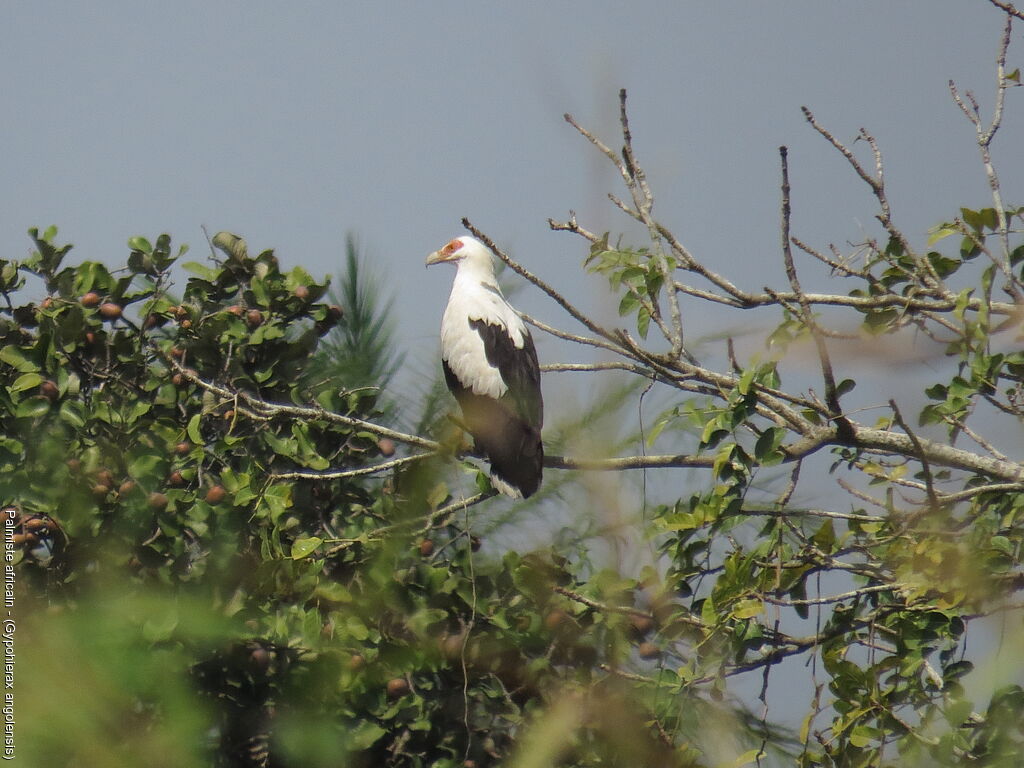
pixel 158 501
pixel 91 299
pixel 259 657
pixel 110 310
pixel 397 686
pixel 426 548
pixel 126 487
pixel 100 490
pixel 216 494
pixel 555 619
pixel 386 446
pixel 49 390
pixel 301 292
pixel 176 479
pixel 640 625
pixel 648 651
pixel 253 317
pixel 182 448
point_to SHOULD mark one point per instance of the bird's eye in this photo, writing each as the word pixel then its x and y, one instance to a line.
pixel 452 247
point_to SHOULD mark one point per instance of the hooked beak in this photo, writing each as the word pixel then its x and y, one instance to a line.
pixel 438 257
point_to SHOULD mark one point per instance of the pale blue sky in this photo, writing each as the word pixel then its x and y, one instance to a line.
pixel 295 123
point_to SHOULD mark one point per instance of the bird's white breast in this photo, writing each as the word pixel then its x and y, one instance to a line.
pixel 463 348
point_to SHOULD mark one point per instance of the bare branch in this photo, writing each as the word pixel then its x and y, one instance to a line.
pixel 831 394
pixel 344 473
pixel 1009 8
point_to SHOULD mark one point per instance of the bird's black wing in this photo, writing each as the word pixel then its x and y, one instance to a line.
pixel 506 429
pixel 519 369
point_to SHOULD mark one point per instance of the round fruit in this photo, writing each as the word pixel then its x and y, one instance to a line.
pixel 176 479
pixel 216 494
pixel 46 303
pixel 648 651
pixel 48 389
pixel 235 310
pixel 301 292
pixel 178 380
pixel 91 299
pixel 254 317
pixel 555 619
pixel 182 448
pixel 126 487
pixel 110 310
pixel 186 324
pixel 105 477
pixel 398 686
pixel 426 548
pixel 640 625
pixel 386 446
pixel 259 657
pixel 356 661
pixel 100 490
pixel 73 464
pixel 36 524
pixel 177 353
pixel 158 501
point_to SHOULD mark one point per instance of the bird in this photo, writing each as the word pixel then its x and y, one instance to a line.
pixel 490 366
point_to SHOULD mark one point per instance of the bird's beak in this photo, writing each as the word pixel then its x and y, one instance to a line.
pixel 437 257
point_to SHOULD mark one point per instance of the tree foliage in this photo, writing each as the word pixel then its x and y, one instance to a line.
pixel 244 565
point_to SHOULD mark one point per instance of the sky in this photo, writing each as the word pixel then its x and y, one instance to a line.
pixel 296 124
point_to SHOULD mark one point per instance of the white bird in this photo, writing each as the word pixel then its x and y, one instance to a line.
pixel 490 365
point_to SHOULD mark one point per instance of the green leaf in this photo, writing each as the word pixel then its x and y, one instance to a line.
pixel 844 386
pixel 365 735
pixel 747 608
pixel 15 358
pixel 305 547
pixel 193 430
pixel 643 322
pixel 138 243
pixel 862 736
pixel 73 412
pixel 200 270
pixel 26 381
pixel 628 304
pixel 940 232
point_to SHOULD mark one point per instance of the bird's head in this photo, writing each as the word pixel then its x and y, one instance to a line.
pixel 463 249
